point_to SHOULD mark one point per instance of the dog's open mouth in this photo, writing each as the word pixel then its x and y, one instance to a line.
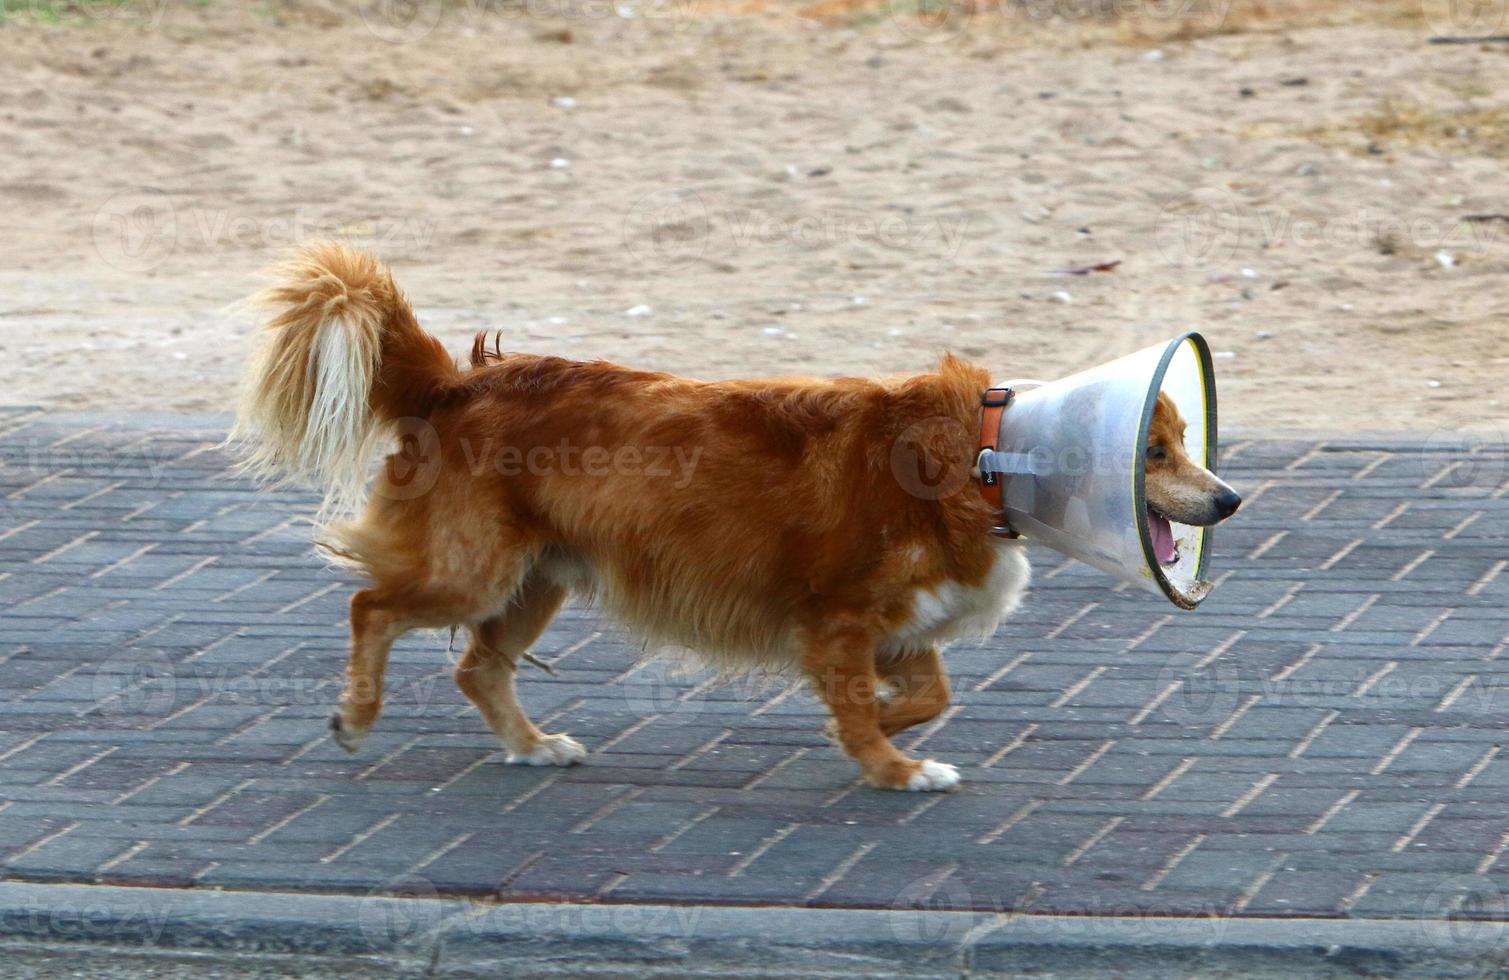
pixel 1165 548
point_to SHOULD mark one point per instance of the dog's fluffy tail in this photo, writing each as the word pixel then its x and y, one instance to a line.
pixel 342 358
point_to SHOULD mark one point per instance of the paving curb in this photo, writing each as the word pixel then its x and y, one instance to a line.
pixel 432 936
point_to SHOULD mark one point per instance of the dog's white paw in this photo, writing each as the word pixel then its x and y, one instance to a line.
pixel 933 776
pixel 553 750
pixel 345 736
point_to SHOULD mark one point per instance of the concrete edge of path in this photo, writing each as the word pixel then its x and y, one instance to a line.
pixel 427 935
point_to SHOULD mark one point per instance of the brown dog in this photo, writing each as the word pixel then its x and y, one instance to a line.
pixel 826 526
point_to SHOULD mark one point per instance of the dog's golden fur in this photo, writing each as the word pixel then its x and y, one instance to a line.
pixel 820 525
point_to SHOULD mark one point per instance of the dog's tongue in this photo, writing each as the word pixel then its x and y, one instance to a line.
pixel 1163 539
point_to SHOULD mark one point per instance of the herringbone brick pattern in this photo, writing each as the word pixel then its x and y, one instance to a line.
pixel 1323 737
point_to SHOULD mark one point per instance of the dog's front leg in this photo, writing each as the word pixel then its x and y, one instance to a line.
pixel 842 665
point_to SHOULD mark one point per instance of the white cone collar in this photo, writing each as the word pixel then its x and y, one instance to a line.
pixel 1071 457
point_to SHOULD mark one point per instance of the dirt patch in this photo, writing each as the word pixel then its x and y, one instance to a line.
pixel 1476 132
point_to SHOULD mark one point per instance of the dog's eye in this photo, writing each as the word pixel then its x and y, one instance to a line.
pixel 1157 453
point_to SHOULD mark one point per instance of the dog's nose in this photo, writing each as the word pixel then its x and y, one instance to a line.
pixel 1227 503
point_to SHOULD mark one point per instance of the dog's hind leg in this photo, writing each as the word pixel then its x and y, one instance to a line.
pixel 842 666
pixel 918 690
pixel 487 671
pixel 374 627
pixel 379 616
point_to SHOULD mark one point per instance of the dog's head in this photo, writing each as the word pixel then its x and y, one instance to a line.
pixel 1179 489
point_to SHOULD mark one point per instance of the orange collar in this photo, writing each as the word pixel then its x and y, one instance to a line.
pixel 992 404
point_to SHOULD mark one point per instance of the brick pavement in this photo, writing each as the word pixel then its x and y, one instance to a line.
pixel 1323 737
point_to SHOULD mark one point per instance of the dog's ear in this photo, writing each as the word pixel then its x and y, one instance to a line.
pixel 952 367
pixel 1167 426
pixel 962 383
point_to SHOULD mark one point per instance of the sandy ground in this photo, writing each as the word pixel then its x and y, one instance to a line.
pixel 830 191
